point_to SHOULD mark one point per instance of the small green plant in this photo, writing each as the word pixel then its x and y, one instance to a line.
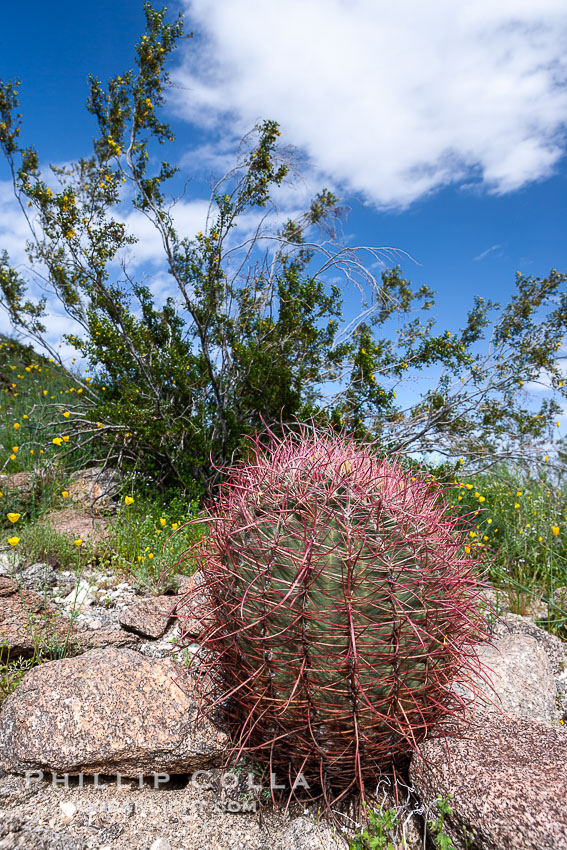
pixel 39 542
pixel 381 831
pixel 12 671
pixel 149 538
pixel 437 826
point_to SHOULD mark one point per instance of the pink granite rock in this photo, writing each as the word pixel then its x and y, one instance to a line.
pixel 508 781
pixel 107 711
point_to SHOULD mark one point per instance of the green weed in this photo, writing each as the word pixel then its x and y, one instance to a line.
pixel 149 539
pixel 518 527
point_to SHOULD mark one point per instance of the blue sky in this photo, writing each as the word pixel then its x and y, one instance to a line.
pixel 443 128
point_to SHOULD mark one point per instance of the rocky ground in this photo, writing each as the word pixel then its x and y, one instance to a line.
pixel 178 816
pixel 118 714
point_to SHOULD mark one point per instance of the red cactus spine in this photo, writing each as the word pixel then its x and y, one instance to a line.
pixel 341 609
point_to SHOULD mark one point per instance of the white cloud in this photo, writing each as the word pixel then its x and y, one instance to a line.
pixel 393 101
pixel 14 230
pixel 494 249
pixel 188 218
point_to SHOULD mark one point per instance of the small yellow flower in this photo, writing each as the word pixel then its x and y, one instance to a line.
pixel 546 458
pixel 162 521
pixel 66 414
pixel 472 533
pixel 66 438
pixel 13 541
pixel 467 549
pixel 150 555
pixel 16 425
pixel 516 505
pixel 79 541
pixel 489 521
pixel 13 517
pixel 15 449
pixel 481 499
pixel 540 539
pixel 12 457
pixel 175 525
pixel 469 486
pixel 128 500
pixel 65 494
pixel 555 530
pixel 57 441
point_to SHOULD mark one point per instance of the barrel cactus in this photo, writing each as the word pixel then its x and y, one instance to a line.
pixel 341 607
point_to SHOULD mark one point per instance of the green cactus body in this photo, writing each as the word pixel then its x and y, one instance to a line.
pixel 342 610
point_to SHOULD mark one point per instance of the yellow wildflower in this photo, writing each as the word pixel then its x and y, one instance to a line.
pixel 13 517
pixel 13 541
pixel 128 500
